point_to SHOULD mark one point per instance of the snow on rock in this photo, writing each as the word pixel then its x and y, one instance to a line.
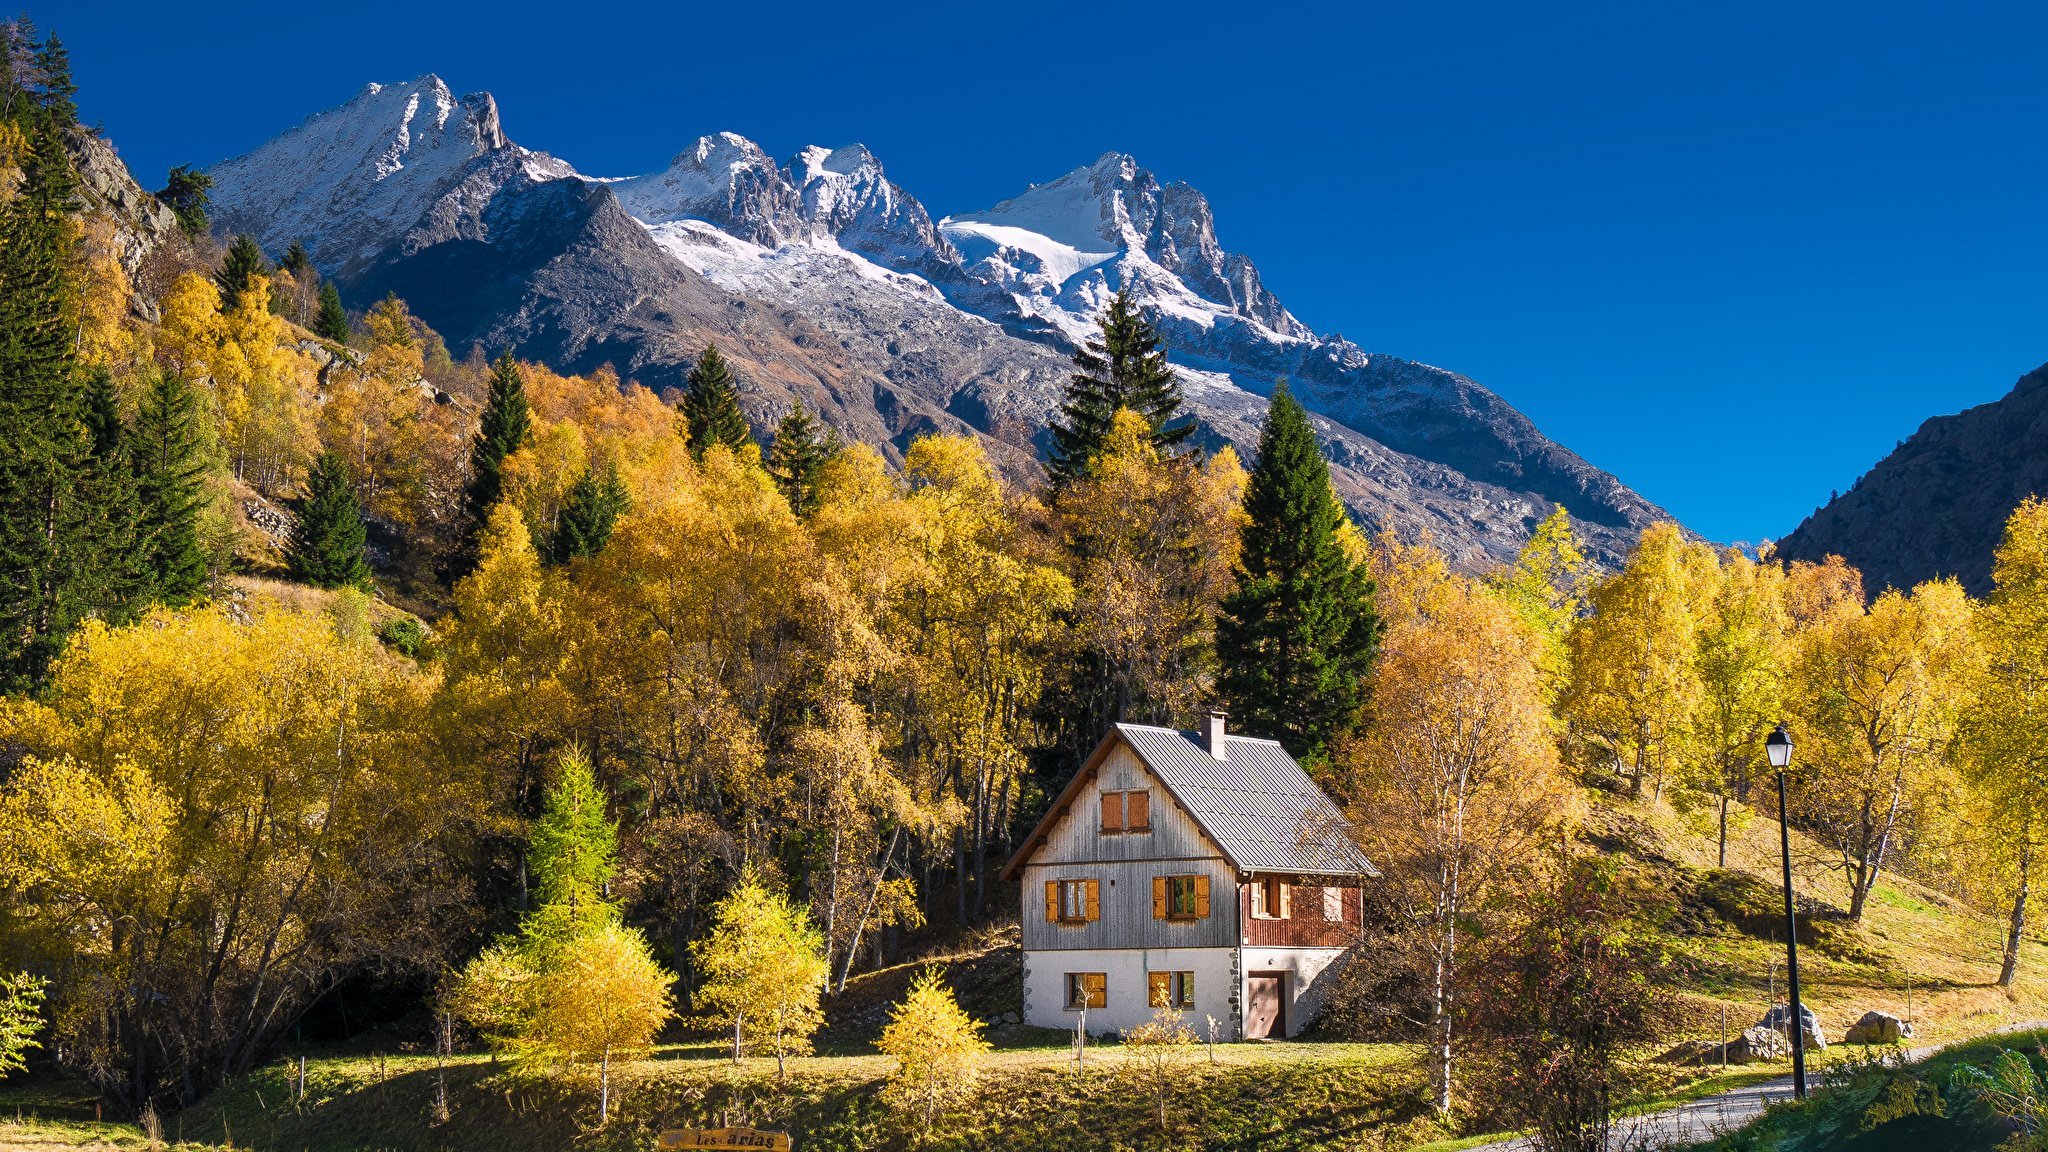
pixel 347 180
pixel 723 179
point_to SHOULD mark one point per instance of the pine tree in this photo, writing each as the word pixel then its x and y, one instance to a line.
pixel 169 452
pixel 593 507
pixel 507 423
pixel 243 263
pixel 56 92
pixel 296 259
pixel 331 321
pixel 711 405
pixel 1298 635
pixel 328 534
pixel 1122 368
pixel 52 571
pixel 798 457
pixel 186 194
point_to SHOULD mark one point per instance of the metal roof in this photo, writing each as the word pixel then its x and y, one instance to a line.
pixel 1258 805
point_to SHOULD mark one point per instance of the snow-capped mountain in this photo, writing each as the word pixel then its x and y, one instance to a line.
pixel 830 283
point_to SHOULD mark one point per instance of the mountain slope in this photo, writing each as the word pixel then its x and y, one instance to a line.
pixel 828 282
pixel 1937 505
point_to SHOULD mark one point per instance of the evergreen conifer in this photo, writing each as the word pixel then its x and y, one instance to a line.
pixel 56 93
pixel 331 321
pixel 507 423
pixel 169 450
pixel 328 533
pixel 711 405
pixel 803 446
pixel 239 269
pixel 186 194
pixel 1124 367
pixel 588 516
pixel 296 259
pixel 1298 635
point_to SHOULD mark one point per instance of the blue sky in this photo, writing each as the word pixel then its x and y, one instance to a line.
pixel 1731 252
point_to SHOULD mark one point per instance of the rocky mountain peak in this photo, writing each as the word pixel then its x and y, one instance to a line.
pixel 846 195
pixel 725 180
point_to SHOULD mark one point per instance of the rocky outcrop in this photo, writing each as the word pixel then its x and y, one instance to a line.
pixel 1878 1028
pixel 141 221
pixel 1937 505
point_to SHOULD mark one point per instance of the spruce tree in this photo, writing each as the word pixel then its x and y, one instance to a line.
pixel 507 423
pixel 169 450
pixel 328 533
pixel 588 516
pixel 1123 367
pixel 56 93
pixel 797 459
pixel 1298 635
pixel 239 269
pixel 53 569
pixel 331 321
pixel 296 259
pixel 186 194
pixel 711 405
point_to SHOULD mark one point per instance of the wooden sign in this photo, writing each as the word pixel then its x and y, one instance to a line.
pixel 725 1139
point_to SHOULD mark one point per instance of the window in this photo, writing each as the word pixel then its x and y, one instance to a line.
pixel 1073 901
pixel 1269 898
pixel 1127 811
pixel 1087 990
pixel 1180 897
pixel 1333 905
pixel 1170 989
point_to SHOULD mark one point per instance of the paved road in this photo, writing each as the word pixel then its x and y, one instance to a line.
pixel 1710 1116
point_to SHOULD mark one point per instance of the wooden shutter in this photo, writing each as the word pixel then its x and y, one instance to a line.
pixel 1094 901
pixel 1112 811
pixel 1286 901
pixel 1158 989
pixel 1159 898
pixel 1052 900
pixel 1098 986
pixel 1201 897
pixel 1139 810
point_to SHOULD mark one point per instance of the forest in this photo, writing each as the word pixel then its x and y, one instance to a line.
pixel 348 672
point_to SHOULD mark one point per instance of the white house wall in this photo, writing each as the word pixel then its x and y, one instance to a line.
pixel 1126 986
pixel 1307 974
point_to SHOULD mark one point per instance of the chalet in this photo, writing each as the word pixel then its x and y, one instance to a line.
pixel 1200 870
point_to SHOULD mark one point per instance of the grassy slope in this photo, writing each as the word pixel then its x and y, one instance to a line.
pixel 1283 1096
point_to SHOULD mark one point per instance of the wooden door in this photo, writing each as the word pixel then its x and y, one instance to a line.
pixel 1265 1014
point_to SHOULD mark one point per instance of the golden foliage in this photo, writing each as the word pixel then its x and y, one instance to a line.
pixel 938 1050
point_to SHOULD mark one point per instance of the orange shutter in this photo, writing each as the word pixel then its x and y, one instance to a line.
pixel 1140 811
pixel 1094 900
pixel 1159 897
pixel 1112 811
pixel 1052 900
pixel 1097 985
pixel 1201 897
pixel 1159 989
pixel 1286 900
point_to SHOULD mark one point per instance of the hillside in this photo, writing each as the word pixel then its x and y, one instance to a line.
pixel 1936 505
pixel 830 284
pixel 1919 955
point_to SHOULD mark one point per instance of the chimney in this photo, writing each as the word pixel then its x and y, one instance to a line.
pixel 1212 733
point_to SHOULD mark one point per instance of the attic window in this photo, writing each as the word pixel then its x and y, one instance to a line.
pixel 1127 811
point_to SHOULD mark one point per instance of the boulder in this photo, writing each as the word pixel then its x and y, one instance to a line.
pixel 1778 1019
pixel 1878 1028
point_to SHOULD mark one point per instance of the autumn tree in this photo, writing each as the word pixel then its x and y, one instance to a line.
pixel 764 969
pixel 938 1049
pixel 1455 780
pixel 2004 721
pixel 1149 543
pixel 1876 695
pixel 1123 368
pixel 1296 638
pixel 1635 680
pixel 711 405
pixel 1546 586
pixel 1160 1050
pixel 21 1018
pixel 1740 653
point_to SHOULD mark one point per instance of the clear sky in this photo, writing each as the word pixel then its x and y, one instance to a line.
pixel 1732 252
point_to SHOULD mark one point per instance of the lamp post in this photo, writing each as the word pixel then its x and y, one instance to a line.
pixel 1779 747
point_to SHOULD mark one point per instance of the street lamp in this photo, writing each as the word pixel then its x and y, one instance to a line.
pixel 1778 746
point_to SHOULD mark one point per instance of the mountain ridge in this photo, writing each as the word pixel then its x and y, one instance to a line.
pixel 834 285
